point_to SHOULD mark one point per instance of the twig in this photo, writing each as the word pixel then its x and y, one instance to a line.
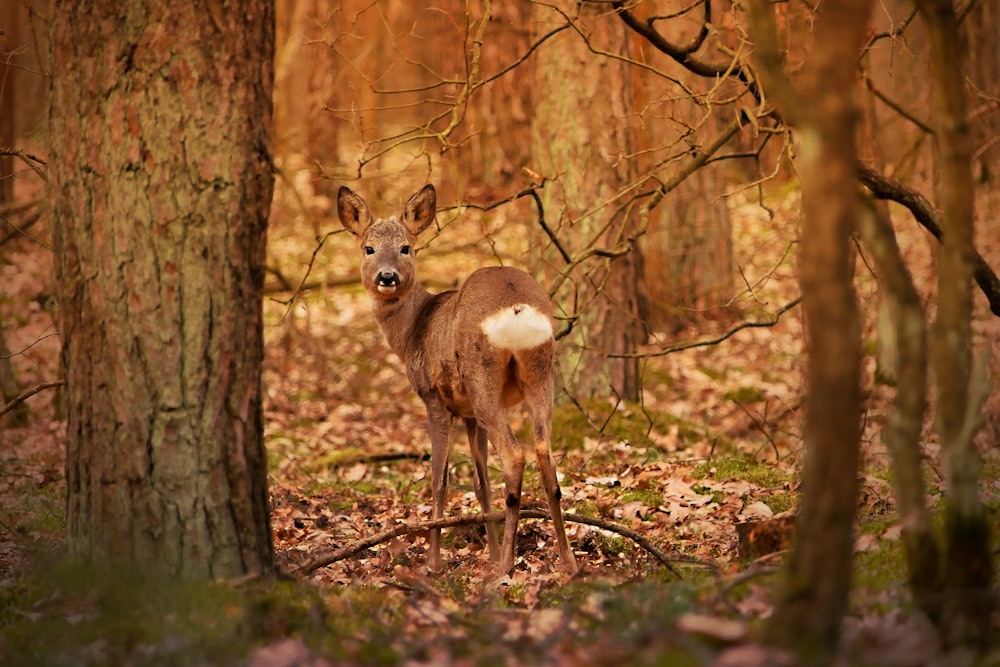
pixel 25 349
pixel 27 158
pixel 310 285
pixel 22 229
pixel 312 260
pixel 713 341
pixel 399 530
pixel 26 394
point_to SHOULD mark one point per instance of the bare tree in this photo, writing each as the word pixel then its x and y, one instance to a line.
pixel 159 121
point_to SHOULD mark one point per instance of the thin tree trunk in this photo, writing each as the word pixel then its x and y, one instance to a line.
pixel 904 424
pixel 161 183
pixel 823 109
pixel 969 564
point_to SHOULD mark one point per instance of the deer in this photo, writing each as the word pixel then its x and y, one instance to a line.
pixel 469 354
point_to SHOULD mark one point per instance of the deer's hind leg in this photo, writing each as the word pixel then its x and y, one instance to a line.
pixel 485 388
pixel 538 390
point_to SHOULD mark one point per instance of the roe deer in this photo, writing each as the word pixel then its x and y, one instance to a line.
pixel 470 353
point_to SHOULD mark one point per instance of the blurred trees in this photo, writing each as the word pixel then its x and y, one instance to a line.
pixel 621 149
pixel 822 107
pixel 616 133
pixel 961 388
pixel 161 184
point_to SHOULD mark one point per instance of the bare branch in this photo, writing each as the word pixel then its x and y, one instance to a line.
pixel 883 187
pixel 683 55
pixel 302 283
pixel 26 394
pixel 896 106
pixel 25 349
pixel 715 341
pixel 34 163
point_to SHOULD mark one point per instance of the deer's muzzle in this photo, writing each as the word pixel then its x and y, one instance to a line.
pixel 387 281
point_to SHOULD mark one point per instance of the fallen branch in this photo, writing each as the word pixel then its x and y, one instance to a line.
pixel 26 394
pixel 383 458
pixel 399 530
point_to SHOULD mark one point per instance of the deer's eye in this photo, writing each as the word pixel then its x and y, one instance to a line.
pixel 405 250
pixel 369 250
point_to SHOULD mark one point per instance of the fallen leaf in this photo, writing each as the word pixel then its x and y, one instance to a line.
pixel 723 629
pixel 865 543
pixel 757 510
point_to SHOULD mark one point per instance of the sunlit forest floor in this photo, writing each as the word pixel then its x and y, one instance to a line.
pixel 715 442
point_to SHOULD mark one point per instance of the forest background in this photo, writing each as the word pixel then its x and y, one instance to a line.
pixel 645 161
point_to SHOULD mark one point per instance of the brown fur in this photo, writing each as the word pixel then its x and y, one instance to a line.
pixel 455 368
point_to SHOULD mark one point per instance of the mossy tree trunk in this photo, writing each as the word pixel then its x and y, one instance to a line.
pixel 822 107
pixel 161 182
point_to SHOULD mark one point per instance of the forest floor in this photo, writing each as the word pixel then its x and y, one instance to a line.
pixel 715 442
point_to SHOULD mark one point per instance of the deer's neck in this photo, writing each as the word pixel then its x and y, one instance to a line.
pixel 397 317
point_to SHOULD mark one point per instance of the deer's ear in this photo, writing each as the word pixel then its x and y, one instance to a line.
pixel 353 210
pixel 420 210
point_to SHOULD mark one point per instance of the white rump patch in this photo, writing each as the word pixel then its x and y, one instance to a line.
pixel 518 327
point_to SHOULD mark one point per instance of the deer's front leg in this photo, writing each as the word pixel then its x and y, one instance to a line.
pixel 439 426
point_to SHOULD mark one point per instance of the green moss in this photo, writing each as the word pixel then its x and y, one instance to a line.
pixel 70 613
pixel 745 395
pixel 633 423
pixel 712 374
pixel 879 571
pixel 650 497
pixel 744 468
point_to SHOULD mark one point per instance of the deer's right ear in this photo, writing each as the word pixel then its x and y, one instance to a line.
pixel 420 210
pixel 353 210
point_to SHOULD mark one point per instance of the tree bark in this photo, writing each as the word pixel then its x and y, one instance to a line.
pixel 583 139
pixel 969 563
pixel 161 180
pixel 822 105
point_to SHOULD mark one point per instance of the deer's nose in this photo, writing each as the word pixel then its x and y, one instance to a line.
pixel 388 278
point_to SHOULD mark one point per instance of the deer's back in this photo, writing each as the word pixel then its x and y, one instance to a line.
pixel 450 341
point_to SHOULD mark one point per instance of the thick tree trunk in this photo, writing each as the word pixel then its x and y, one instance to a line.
pixel 584 139
pixel 823 108
pixel 161 182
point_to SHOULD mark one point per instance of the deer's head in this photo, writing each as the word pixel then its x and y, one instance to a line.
pixel 387 268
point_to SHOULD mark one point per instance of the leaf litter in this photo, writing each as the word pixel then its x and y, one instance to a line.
pixel 347 450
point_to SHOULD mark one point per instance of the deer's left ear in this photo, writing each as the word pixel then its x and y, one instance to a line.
pixel 354 213
pixel 420 210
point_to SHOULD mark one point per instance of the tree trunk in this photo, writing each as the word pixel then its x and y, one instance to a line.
pixel 161 181
pixel 583 139
pixel 822 106
pixel 22 86
pixel 981 31
pixel 903 427
pixel 969 564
